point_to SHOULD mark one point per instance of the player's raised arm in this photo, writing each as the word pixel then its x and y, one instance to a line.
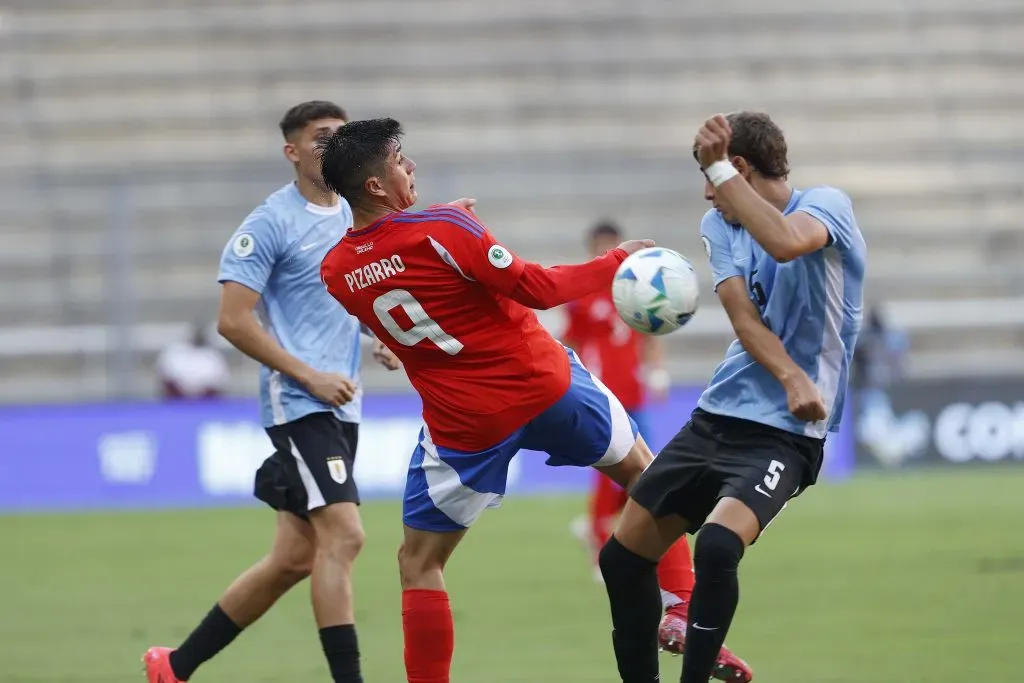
pixel 783 237
pixel 478 256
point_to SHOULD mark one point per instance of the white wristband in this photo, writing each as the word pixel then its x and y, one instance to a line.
pixel 720 171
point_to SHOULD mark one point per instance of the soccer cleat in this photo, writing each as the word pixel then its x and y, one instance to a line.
pixel 672 638
pixel 729 667
pixel 158 665
pixel 672 632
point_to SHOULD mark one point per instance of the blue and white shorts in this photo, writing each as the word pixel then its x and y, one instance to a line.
pixel 447 490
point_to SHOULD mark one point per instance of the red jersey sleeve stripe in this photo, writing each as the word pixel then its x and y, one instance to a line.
pixel 460 218
pixel 438 219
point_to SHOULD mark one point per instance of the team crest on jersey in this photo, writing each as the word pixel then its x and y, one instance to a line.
pixel 499 256
pixel 243 245
pixel 707 245
pixel 365 247
pixel 339 472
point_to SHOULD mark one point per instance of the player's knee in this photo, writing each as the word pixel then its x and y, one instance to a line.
pixel 339 532
pixel 617 562
pixel 417 565
pixel 717 552
pixel 293 565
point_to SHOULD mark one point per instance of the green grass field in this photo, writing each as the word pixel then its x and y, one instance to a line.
pixel 898 579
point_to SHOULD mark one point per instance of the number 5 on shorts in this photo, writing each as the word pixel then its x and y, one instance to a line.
pixel 771 480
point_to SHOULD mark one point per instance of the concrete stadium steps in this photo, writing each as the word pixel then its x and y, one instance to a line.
pixel 896 141
pixel 161 119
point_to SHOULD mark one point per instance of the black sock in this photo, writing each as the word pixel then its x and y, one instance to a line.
pixel 716 557
pixel 214 633
pixel 342 651
pixel 635 599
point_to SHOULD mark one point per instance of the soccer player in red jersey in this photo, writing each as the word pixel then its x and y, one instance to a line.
pixel 617 354
pixel 454 305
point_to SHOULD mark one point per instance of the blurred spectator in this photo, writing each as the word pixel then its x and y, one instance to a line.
pixel 192 368
pixel 881 350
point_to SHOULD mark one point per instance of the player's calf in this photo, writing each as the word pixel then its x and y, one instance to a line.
pixel 716 558
pixel 635 600
pixel 427 625
pixel 339 538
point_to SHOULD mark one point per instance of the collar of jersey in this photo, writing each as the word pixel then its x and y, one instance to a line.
pixel 372 226
pixel 793 198
pixel 315 208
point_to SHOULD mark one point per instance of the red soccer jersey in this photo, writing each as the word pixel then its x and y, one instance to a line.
pixel 454 306
pixel 608 347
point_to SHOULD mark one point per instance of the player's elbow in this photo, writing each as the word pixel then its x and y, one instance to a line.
pixel 785 251
pixel 230 325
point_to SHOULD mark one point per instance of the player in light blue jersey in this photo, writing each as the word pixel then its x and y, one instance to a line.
pixel 788 267
pixel 309 348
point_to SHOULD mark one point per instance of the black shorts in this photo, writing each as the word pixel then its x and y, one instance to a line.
pixel 311 465
pixel 715 457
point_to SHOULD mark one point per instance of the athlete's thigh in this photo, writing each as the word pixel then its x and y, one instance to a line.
pixel 294 540
pixel 447 490
pixel 763 468
pixel 680 480
pixel 312 465
pixel 587 427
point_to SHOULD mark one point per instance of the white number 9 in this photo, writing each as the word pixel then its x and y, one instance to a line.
pixel 423 326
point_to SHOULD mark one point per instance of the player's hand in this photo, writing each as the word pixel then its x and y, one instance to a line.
pixel 331 388
pixel 633 246
pixel 804 399
pixel 385 356
pixel 466 203
pixel 712 141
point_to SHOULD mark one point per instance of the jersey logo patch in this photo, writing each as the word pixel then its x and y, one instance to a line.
pixel 243 245
pixel 499 257
pixel 336 466
pixel 707 245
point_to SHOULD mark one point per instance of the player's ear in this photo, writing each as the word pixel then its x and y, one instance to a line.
pixel 374 186
pixel 290 153
pixel 743 166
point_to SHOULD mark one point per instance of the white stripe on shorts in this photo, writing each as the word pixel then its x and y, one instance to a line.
pixel 621 439
pixel 315 498
pixel 462 504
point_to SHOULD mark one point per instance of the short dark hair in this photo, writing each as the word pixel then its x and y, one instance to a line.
pixel 605 228
pixel 757 138
pixel 301 115
pixel 357 152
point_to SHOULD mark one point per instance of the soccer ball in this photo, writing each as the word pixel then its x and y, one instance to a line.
pixel 655 291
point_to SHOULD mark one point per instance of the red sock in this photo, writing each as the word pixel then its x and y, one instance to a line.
pixel 675 574
pixel 606 502
pixel 429 636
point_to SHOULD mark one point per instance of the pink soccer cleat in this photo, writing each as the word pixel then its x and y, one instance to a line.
pixel 672 638
pixel 158 665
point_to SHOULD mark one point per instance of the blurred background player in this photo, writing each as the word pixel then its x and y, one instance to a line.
pixel 618 356
pixel 309 348
pixel 193 367
pixel 788 266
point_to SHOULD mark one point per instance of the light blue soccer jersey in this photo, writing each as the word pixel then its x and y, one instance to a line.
pixel 813 304
pixel 277 252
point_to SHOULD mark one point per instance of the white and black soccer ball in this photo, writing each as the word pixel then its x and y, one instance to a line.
pixel 655 290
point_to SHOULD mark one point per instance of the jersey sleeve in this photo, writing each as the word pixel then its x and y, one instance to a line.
pixel 472 250
pixel 714 233
pixel 250 254
pixel 834 209
pixel 469 247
